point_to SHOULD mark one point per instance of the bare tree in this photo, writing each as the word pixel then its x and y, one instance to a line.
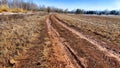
pixel 16 3
pixel 21 3
pixel 48 9
pixel 4 2
pixel 0 2
pixel 29 5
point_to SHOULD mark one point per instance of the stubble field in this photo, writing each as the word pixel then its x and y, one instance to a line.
pixel 59 41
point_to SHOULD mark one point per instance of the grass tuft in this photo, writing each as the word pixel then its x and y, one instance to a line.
pixel 16 10
pixel 5 8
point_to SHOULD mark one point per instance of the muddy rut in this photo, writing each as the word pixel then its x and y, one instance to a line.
pixel 63 52
pixel 57 45
pixel 78 51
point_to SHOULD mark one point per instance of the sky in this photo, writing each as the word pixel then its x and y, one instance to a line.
pixel 82 4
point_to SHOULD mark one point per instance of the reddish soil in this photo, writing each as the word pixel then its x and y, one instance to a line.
pixel 61 51
pixel 91 54
pixel 51 43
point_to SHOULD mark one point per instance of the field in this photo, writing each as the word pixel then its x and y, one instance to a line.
pixel 42 40
pixel 106 27
pixel 20 37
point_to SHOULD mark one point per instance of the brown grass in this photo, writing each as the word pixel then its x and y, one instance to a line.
pixel 5 8
pixel 17 35
pixel 107 28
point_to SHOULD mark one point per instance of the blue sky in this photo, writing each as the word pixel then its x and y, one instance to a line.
pixel 83 4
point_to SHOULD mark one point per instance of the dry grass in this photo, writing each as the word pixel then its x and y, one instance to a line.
pixel 5 8
pixel 15 10
pixel 106 27
pixel 18 35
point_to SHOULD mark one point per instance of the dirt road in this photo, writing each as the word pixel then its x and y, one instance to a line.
pixel 78 50
pixel 50 43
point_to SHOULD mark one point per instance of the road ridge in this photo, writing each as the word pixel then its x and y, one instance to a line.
pixel 68 53
pixel 107 52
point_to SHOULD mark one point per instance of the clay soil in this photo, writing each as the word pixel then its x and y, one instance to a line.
pixel 58 41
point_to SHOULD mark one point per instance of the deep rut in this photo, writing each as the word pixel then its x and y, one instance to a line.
pixel 86 52
pixel 63 52
pixel 94 42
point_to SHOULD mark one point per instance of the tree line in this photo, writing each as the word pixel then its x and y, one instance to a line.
pixel 105 12
pixel 29 5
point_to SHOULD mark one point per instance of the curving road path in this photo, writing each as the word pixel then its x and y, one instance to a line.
pixel 78 50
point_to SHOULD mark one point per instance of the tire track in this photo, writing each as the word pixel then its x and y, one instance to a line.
pixel 106 51
pixel 64 51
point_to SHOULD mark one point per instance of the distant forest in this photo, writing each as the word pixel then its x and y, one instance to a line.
pixel 29 5
pixel 104 12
